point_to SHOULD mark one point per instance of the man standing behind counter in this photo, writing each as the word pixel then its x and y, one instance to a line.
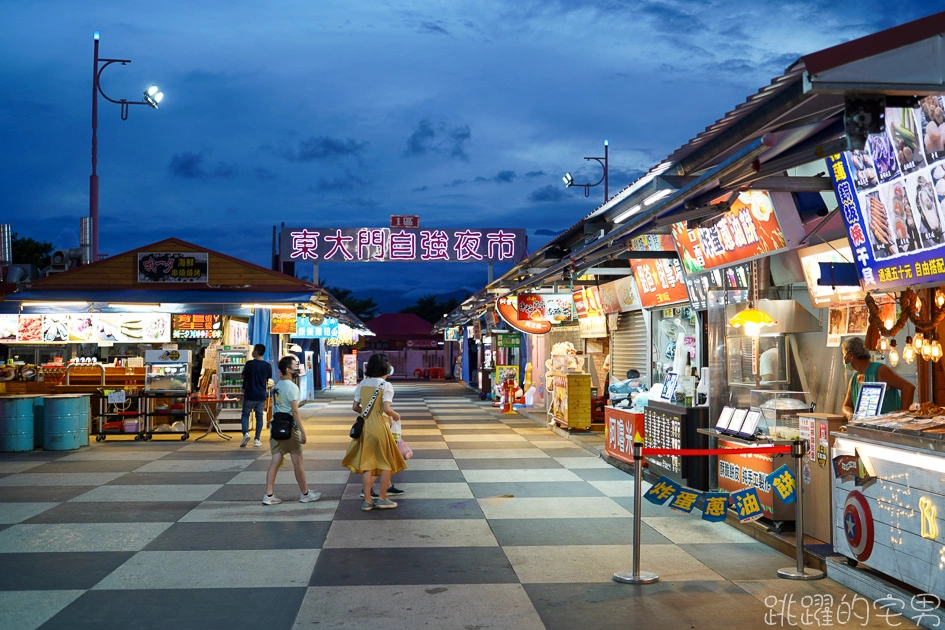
pixel 899 391
pixel 257 375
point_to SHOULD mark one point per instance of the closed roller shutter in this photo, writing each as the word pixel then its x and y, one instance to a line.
pixel 628 345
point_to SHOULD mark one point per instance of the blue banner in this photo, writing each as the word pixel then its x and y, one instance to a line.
pixel 747 505
pixel 684 500
pixel 892 197
pixel 716 504
pixel 661 491
pixel 783 484
pixel 305 329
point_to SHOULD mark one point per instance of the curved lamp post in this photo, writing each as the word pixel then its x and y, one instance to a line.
pixel 152 97
pixel 569 181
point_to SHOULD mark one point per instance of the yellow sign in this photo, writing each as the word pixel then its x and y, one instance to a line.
pixel 929 525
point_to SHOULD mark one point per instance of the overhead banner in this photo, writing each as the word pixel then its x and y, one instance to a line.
pixel 546 307
pixel 305 328
pixel 403 245
pixel 186 267
pixel 86 328
pixel 892 196
pixel 659 281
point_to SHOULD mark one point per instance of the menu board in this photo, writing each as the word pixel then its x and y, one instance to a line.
pixel 283 321
pixel 837 251
pixel 587 302
pixel 627 296
pixel 871 399
pixel 749 229
pixel 547 307
pixel 86 328
pixel 308 329
pixel 892 196
pixel 196 326
pixel 608 298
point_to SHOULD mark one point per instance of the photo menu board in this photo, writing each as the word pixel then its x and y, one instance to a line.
pixel 892 196
pixel 86 328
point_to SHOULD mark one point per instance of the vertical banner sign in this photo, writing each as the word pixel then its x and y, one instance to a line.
pixel 185 267
pixel 349 366
pixel 892 196
pixel 283 321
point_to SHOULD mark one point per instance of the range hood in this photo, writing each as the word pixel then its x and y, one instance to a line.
pixel 791 316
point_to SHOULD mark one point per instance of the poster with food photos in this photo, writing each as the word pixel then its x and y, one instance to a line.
pixel 892 198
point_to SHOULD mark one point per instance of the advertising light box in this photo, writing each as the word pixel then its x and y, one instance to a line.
pixel 892 197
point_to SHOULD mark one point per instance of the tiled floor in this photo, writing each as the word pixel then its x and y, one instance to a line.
pixel 503 525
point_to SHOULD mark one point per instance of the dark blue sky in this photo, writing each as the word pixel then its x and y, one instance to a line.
pixel 339 113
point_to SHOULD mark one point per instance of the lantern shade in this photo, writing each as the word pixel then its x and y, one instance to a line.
pixel 751 317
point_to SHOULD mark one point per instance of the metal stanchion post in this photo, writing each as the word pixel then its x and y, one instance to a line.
pixel 799 573
pixel 636 577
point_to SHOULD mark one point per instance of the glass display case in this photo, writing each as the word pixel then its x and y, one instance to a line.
pixel 780 412
pixel 757 361
pixel 167 371
pixel 230 364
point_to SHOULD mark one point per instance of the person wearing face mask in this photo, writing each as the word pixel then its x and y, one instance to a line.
pixel 856 358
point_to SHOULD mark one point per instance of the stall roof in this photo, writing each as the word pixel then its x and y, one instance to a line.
pixel 794 120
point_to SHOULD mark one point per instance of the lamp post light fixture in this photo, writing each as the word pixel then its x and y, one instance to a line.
pixel 569 180
pixel 152 97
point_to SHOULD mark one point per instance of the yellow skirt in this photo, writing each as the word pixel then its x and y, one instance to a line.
pixel 376 449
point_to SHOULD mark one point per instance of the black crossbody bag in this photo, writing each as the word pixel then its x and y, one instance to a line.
pixel 358 425
pixel 282 422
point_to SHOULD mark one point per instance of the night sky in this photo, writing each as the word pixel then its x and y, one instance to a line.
pixel 339 114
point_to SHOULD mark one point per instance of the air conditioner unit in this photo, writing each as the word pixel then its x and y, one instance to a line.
pixel 64 259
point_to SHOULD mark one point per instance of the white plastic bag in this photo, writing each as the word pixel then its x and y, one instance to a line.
pixel 395 428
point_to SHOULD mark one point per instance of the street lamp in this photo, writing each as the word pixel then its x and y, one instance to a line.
pixel 152 97
pixel 569 181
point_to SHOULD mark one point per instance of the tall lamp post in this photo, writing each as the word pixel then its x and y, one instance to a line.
pixel 569 181
pixel 152 96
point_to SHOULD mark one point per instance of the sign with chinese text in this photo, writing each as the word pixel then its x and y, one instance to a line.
pixel 784 484
pixel 747 506
pixel 196 326
pixel 659 281
pixel 547 307
pixel 837 251
pixel 508 341
pixel 593 327
pixel 621 429
pixel 740 471
pixel 608 298
pixel 662 491
pixel 587 302
pixel 627 296
pixel 186 267
pixel 283 321
pixel 403 244
pixel 349 368
pixel 404 221
pixel 305 328
pixel 749 229
pixel 507 308
pixel 892 197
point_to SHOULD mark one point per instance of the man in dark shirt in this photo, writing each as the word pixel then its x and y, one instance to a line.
pixel 257 374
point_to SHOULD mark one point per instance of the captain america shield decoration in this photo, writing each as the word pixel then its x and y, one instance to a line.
pixel 858 525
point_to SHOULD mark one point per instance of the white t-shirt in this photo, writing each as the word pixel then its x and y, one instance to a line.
pixel 371 383
pixel 768 363
pixel 282 396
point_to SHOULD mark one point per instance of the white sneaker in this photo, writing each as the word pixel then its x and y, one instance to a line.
pixel 245 440
pixel 271 500
pixel 257 443
pixel 311 496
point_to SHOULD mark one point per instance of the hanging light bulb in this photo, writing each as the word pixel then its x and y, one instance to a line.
pixel 918 341
pixel 883 344
pixel 936 352
pixel 939 298
pixel 893 353
pixel 918 304
pixel 908 353
pixel 926 351
pixel 889 323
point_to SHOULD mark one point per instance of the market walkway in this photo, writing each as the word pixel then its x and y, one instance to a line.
pixel 503 525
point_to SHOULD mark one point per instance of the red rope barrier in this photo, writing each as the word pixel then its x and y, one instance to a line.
pixel 686 452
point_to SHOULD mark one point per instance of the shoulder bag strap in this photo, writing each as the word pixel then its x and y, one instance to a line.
pixel 370 405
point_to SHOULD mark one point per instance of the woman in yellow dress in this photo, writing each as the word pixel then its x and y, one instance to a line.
pixel 375 453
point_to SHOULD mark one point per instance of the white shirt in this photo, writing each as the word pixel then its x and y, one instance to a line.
pixel 371 383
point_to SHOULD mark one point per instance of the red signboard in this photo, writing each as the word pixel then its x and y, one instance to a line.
pixel 552 307
pixel 405 221
pixel 659 282
pixel 740 471
pixel 587 302
pixel 507 308
pixel 748 230
pixel 621 430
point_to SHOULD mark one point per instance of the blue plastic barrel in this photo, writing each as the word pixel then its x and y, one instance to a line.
pixel 62 419
pixel 16 424
pixel 38 406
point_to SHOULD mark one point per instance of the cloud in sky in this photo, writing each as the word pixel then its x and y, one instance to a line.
pixel 341 114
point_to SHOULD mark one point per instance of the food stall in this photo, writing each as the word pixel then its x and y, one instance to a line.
pixel 87 330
